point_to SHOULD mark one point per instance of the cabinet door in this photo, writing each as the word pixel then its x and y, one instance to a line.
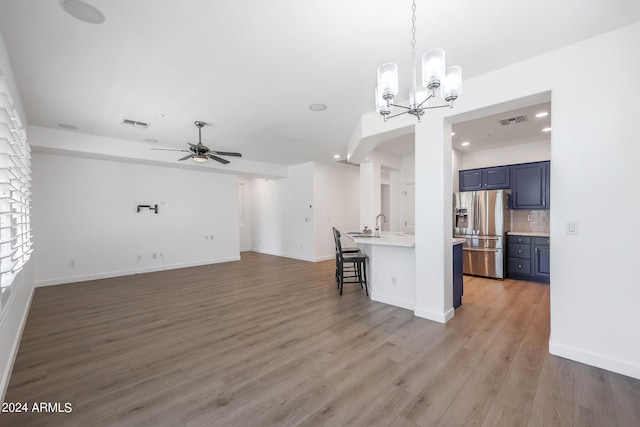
pixel 529 186
pixel 541 256
pixel 496 178
pixel 470 180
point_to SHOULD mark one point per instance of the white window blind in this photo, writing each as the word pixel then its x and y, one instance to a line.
pixel 15 193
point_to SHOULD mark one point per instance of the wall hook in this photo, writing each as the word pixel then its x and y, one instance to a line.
pixel 153 208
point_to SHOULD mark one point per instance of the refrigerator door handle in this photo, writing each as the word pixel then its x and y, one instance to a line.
pixel 481 250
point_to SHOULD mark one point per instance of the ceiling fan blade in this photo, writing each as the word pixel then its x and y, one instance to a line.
pixel 218 159
pixel 227 153
pixel 186 157
pixel 169 149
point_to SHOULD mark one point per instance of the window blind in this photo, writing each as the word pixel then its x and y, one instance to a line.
pixel 15 193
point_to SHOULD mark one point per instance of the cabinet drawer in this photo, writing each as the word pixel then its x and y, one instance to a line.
pixel 519 266
pixel 541 241
pixel 525 240
pixel 517 250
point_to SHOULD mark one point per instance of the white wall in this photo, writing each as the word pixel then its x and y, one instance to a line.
pixel 594 295
pixel 293 216
pixel 336 204
pixel 282 214
pixel 87 226
pixel 509 155
pixel 13 313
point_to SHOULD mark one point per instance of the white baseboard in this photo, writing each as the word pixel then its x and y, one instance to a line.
pixel 436 316
pixel 293 256
pixel 109 274
pixel 6 374
pixel 595 359
pixel 409 305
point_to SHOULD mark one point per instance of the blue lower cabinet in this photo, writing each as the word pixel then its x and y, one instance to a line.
pixel 458 281
pixel 541 257
pixel 528 258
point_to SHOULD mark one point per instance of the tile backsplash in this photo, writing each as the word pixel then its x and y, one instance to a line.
pixel 530 221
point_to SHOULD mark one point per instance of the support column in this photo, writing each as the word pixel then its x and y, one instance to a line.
pixel 434 274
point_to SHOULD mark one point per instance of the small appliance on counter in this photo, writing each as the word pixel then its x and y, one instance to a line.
pixel 482 219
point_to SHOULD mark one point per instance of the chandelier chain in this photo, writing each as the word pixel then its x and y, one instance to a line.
pixel 413 28
pixel 413 44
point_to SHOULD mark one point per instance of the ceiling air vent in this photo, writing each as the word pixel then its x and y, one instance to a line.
pixel 135 124
pixel 513 120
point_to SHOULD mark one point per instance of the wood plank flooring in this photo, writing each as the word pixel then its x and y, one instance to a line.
pixel 268 341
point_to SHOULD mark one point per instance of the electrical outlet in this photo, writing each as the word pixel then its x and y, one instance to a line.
pixel 139 257
pixel 211 237
pixel 206 237
pixel 161 255
pixel 72 263
pixel 154 256
pixel 394 281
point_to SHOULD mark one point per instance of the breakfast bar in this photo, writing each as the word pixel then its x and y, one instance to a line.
pixel 392 267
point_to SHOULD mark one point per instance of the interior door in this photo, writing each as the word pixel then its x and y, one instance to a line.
pixel 409 209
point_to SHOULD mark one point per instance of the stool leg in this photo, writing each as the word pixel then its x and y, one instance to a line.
pixel 364 267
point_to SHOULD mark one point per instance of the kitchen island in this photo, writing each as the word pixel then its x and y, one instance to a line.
pixel 391 270
pixel 392 267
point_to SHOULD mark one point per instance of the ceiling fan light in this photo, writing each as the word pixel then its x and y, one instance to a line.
pixel 388 80
pixel 452 85
pixel 433 68
pixel 200 159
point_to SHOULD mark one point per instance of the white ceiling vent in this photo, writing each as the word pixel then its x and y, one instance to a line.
pixel 135 124
pixel 513 120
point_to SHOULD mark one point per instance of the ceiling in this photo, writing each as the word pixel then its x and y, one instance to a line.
pixel 486 132
pixel 251 69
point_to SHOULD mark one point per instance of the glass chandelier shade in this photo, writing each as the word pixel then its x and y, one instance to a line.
pixel 452 85
pixel 433 71
pixel 418 96
pixel 388 80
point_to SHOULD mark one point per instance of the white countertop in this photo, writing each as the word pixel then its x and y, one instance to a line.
pixel 528 233
pixel 393 239
pixel 385 239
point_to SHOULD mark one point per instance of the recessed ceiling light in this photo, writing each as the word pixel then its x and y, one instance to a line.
pixel 317 107
pixel 453 133
pixel 336 156
pixel 66 126
pixel 150 140
pixel 82 11
pixel 546 130
pixel 161 114
pixel 464 144
pixel 542 114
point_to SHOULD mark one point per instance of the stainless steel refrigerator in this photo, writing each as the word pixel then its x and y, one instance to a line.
pixel 482 218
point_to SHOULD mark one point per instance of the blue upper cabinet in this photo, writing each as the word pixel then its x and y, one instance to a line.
pixel 470 180
pixel 495 178
pixel 530 186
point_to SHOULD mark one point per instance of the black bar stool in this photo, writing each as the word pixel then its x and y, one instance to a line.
pixel 350 264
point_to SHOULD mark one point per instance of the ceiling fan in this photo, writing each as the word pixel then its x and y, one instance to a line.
pixel 200 152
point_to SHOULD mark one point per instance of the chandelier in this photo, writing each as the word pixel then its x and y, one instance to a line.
pixel 434 76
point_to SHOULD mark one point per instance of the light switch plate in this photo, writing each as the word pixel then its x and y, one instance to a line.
pixel 572 228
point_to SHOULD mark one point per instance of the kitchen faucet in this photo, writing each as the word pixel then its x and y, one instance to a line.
pixel 378 227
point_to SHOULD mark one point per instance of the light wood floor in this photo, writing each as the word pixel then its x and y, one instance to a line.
pixel 268 341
